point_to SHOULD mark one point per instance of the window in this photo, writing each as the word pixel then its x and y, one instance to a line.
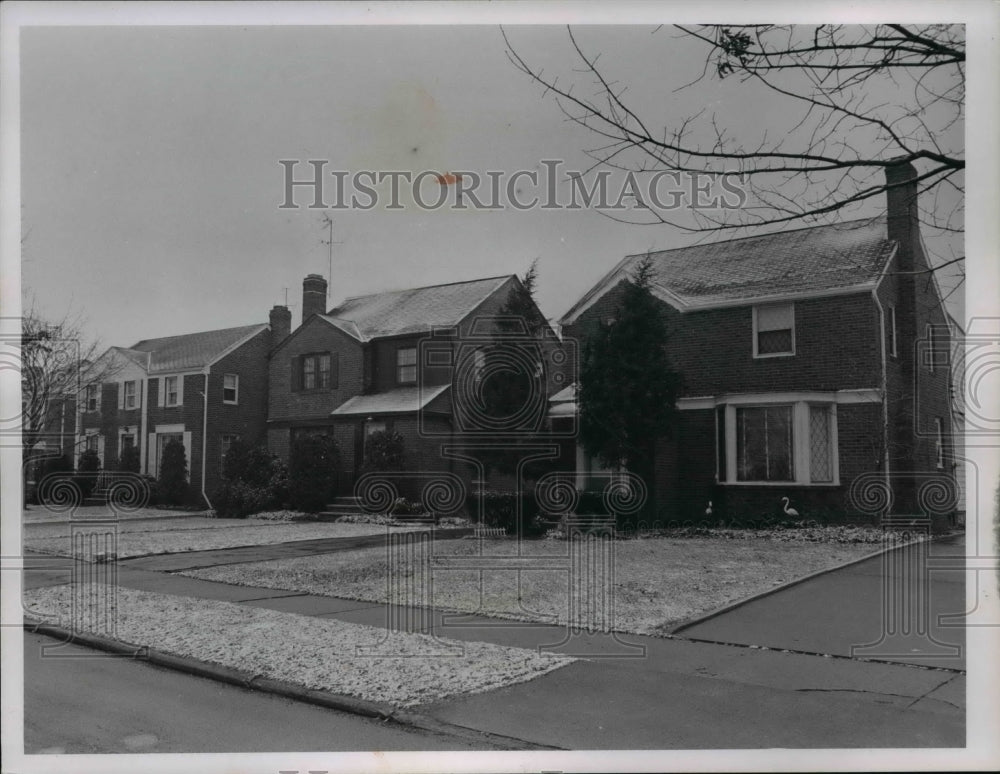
pixel 764 443
pixel 230 388
pixel 937 351
pixel 316 372
pixel 127 441
pixel 771 442
pixel 774 330
pixel 820 446
pixel 406 365
pixel 92 400
pixel 171 390
pixel 130 395
pixel 93 442
pixel 227 442
pixel 938 443
pixel 891 333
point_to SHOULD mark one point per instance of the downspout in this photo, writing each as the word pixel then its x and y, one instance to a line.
pixel 204 441
pixel 885 387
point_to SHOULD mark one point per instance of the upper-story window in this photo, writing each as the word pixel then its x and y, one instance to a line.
pixel 92 398
pixel 230 388
pixel 773 330
pixel 130 400
pixel 316 371
pixel 171 391
pixel 406 365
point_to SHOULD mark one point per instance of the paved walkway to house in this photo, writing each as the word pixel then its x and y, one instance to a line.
pixel 631 691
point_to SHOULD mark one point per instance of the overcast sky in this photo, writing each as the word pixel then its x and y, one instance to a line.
pixel 151 182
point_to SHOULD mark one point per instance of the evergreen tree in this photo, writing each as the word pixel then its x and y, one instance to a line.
pixel 174 474
pixel 628 389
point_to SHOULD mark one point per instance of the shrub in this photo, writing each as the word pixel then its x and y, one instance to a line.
pixel 384 451
pixel 87 468
pixel 403 507
pixel 499 509
pixel 129 459
pixel 312 476
pixel 174 488
pixel 254 481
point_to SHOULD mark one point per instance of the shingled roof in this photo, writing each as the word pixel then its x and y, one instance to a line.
pixel 398 312
pixel 193 350
pixel 800 262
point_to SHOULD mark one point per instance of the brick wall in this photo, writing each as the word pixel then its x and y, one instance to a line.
pixel 316 335
pixel 248 418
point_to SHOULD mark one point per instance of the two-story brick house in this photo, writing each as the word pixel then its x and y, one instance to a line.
pixel 811 359
pixel 404 361
pixel 203 389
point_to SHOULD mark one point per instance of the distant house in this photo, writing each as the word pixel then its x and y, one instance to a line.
pixel 812 359
pixel 406 361
pixel 203 389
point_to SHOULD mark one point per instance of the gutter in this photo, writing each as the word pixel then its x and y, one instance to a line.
pixel 885 385
pixel 204 439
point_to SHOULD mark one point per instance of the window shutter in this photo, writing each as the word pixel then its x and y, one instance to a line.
pixel 121 395
pixel 334 370
pixel 296 365
pixel 160 392
pixel 180 390
pixel 100 449
pixel 187 452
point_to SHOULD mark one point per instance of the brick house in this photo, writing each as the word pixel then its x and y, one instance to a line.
pixel 404 361
pixel 204 389
pixel 811 359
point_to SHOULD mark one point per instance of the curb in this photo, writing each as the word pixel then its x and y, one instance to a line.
pixel 336 701
pixel 674 631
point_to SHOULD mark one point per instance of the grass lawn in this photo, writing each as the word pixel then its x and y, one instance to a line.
pixel 658 581
pixel 161 536
pixel 318 653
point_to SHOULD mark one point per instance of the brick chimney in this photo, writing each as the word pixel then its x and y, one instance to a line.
pixel 313 296
pixel 281 324
pixel 903 223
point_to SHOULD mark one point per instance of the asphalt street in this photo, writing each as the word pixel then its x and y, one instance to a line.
pixel 78 700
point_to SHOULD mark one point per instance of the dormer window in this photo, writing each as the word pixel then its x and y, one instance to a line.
pixel 92 399
pixel 774 330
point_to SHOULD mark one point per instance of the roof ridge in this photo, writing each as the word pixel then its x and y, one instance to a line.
pixel 196 333
pixel 424 287
pixel 870 219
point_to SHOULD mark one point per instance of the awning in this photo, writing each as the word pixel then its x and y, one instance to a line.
pixel 402 400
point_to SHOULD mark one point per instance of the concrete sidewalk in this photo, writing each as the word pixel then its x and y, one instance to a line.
pixel 653 693
pixel 874 609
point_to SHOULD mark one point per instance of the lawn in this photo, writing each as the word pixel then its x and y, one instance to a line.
pixel 160 536
pixel 657 583
pixel 313 652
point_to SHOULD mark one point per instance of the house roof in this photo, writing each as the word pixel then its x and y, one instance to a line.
pixel 193 350
pixel 805 261
pixel 399 400
pixel 139 357
pixel 414 310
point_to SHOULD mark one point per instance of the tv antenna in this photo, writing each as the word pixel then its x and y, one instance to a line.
pixel 328 221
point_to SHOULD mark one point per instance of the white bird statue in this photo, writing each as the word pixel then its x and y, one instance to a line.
pixel 708 510
pixel 788 511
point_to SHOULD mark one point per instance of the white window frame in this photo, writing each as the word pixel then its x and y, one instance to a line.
pixel 96 388
pixel 801 457
pixel 893 342
pixel 178 392
pixel 235 389
pixel 134 396
pixel 756 331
